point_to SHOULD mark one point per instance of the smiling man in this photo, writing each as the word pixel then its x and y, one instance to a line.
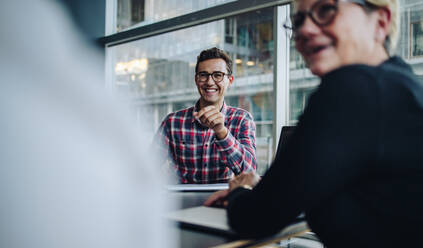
pixel 210 142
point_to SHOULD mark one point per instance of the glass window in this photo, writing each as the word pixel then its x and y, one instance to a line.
pixel 142 12
pixel 416 39
pixel 410 44
pixel 129 12
pixel 301 83
pixel 159 71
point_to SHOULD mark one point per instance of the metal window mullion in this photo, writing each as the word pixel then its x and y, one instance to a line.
pixel 111 17
pixel 281 73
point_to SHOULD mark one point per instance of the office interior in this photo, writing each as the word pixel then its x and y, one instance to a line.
pixel 150 49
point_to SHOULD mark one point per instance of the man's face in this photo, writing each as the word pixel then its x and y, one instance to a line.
pixel 212 92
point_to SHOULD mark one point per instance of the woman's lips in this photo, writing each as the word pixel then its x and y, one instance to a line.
pixel 313 50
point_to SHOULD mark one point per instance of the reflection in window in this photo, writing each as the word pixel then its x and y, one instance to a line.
pixel 129 12
pixel 410 46
pixel 412 13
pixel 411 29
pixel 142 12
pixel 159 71
pixel 417 39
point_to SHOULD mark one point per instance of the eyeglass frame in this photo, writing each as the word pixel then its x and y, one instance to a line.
pixel 197 75
pixel 309 14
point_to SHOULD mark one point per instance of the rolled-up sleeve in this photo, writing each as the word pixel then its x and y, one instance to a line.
pixel 238 148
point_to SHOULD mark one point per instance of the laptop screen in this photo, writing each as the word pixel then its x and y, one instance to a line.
pixel 286 133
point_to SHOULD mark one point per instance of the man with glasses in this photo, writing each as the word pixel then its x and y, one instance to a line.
pixel 210 142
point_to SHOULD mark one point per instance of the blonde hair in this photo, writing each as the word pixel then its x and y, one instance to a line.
pixel 393 32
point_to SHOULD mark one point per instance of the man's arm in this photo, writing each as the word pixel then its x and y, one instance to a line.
pixel 238 151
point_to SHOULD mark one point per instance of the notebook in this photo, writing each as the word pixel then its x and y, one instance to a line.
pixel 203 218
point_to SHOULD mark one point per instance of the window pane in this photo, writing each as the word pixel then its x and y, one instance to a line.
pixel 301 83
pixel 129 12
pixel 142 12
pixel 410 45
pixel 159 71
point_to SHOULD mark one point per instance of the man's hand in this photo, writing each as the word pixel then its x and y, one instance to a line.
pixel 249 179
pixel 211 117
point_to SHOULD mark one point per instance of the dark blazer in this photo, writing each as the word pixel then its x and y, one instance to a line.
pixel 354 164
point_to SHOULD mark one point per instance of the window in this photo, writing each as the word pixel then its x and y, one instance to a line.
pixel 416 39
pixel 410 45
pixel 132 13
pixel 158 71
pixel 302 83
pixel 411 32
pixel 129 12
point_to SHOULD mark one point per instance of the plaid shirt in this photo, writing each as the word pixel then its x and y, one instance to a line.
pixel 198 156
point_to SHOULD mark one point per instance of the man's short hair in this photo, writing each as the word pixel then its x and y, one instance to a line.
pixel 215 53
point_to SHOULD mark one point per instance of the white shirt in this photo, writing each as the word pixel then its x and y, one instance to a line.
pixel 74 171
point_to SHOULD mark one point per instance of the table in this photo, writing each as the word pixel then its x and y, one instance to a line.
pixel 190 236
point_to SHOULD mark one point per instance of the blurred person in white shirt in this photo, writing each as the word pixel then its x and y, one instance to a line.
pixel 74 172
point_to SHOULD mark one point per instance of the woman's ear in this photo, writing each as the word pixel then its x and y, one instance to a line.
pixel 383 24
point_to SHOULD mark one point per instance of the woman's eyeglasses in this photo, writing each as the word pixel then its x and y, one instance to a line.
pixel 322 13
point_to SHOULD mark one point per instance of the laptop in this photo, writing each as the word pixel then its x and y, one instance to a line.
pixel 286 133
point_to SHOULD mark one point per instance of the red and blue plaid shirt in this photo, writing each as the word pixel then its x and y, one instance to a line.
pixel 198 156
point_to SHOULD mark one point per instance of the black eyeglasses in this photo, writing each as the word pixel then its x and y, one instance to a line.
pixel 322 13
pixel 217 76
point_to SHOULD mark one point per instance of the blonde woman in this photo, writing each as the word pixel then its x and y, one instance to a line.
pixel 355 162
